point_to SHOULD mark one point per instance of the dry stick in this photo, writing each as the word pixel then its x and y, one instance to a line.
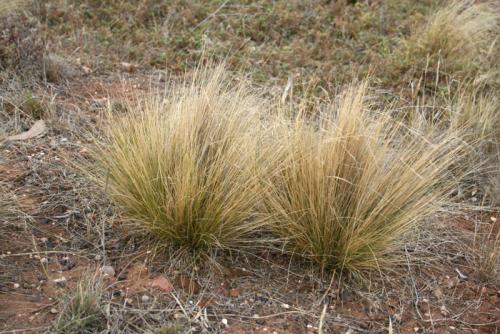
pixel 417 299
pixel 210 15
pixel 322 319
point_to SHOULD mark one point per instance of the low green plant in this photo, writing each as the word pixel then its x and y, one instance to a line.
pixel 82 310
pixel 184 166
pixel 354 184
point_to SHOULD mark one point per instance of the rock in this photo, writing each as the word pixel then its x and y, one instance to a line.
pixel 60 281
pixel 224 321
pixel 162 283
pixel 37 130
pixel 107 271
pixel 98 257
pixel 54 311
pixel 145 298
pixel 16 285
pixel 67 263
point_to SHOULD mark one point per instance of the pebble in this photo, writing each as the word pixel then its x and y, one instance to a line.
pixel 224 321
pixel 145 298
pixel 16 285
pixel 107 271
pixel 98 257
pixel 60 281
pixel 53 311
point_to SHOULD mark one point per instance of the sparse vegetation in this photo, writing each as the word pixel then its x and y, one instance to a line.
pixel 201 163
pixel 82 310
pixel 477 113
pixel 456 43
pixel 488 256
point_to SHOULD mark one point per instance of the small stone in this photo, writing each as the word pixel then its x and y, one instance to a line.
pixel 107 271
pixel 493 219
pixel 224 321
pixel 16 285
pixel 444 310
pixel 60 281
pixel 145 298
pixel 44 260
pixel 285 306
pixel 98 257
pixel 67 263
pixel 53 311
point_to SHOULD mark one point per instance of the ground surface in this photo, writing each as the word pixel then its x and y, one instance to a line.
pixel 101 53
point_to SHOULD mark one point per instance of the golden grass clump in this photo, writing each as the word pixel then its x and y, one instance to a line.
pixel 353 185
pixel 457 41
pixel 10 6
pixel 183 165
pixel 478 114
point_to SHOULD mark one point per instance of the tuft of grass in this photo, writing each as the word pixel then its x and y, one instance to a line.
pixel 8 7
pixel 456 43
pixel 82 309
pixel 354 184
pixel 183 166
pixel 477 113
pixel 487 255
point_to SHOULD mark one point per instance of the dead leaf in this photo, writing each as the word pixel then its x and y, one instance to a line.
pixel 163 284
pixel 36 130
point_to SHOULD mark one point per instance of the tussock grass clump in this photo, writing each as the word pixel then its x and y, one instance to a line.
pixel 456 42
pixel 82 309
pixel 184 166
pixel 354 185
pixel 477 113
pixel 487 255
